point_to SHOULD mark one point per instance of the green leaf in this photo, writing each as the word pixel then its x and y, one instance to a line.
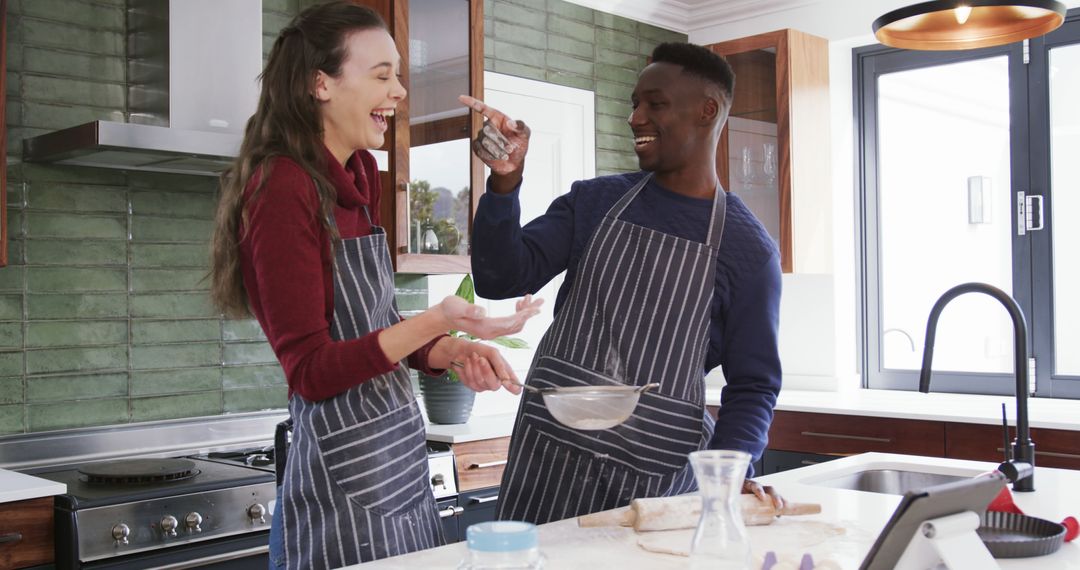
pixel 466 290
pixel 510 342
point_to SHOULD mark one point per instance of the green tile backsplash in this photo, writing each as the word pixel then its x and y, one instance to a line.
pixel 568 44
pixel 104 315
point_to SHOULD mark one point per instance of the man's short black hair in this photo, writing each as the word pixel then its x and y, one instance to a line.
pixel 699 62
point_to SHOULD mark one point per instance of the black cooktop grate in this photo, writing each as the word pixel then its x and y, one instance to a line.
pixel 138 471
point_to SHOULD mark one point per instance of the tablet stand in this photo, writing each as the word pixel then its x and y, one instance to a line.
pixel 947 542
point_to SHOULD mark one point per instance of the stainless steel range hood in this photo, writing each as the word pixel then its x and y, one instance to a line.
pixel 192 68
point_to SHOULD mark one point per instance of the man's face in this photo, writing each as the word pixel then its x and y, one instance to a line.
pixel 667 117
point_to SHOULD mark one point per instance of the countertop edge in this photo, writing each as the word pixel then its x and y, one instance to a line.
pixel 20 487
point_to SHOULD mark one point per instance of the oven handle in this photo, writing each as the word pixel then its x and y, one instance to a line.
pixel 224 557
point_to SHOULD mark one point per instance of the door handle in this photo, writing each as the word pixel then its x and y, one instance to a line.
pixel 482 500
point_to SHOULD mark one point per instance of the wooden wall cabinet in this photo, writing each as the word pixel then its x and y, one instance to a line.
pixel 434 182
pixel 26 533
pixel 774 149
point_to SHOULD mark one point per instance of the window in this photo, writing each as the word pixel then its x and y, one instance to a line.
pixel 969 172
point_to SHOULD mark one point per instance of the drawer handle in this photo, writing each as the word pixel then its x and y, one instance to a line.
pixel 1050 454
pixel 808 462
pixel 10 538
pixel 846 436
pixel 482 500
pixel 486 465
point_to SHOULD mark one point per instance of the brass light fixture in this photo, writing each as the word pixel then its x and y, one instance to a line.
pixel 967 24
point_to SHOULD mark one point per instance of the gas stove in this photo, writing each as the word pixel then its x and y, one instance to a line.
pixel 173 494
pixel 124 507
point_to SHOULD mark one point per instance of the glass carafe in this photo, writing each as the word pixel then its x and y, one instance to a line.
pixel 720 542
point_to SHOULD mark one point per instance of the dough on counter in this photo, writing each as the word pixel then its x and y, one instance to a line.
pixel 786 537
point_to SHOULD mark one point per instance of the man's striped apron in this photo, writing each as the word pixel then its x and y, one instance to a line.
pixel 637 313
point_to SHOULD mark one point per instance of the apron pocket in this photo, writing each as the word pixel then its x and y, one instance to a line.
pixel 654 441
pixel 380 464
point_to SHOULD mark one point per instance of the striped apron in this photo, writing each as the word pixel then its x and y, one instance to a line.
pixel 356 480
pixel 637 313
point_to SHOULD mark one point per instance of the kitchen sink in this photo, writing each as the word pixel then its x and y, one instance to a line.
pixel 888 481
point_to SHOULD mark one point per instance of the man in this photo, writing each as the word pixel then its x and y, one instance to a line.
pixel 667 277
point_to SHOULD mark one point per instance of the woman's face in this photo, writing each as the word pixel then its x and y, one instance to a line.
pixel 358 105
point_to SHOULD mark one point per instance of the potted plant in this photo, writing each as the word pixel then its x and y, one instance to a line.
pixel 446 399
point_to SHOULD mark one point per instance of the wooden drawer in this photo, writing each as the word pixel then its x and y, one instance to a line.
pixel 480 463
pixel 26 533
pixel 845 435
pixel 1053 447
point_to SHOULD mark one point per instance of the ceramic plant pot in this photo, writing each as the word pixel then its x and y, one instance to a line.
pixel 446 401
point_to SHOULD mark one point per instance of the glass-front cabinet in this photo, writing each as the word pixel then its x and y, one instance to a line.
pixel 773 152
pixel 433 181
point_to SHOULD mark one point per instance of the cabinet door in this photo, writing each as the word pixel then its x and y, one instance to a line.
pixel 774 461
pixel 433 182
pixel 1053 447
pixel 26 533
pixel 479 507
pixel 836 434
pixel 480 463
pixel 773 152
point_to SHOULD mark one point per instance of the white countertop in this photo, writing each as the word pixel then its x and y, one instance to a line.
pixel 17 487
pixel 854 519
pixel 477 428
pixel 935 406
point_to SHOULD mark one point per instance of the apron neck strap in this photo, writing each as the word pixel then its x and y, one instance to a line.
pixel 716 223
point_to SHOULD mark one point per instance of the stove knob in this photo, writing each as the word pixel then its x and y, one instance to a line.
pixel 257 513
pixel 168 525
pixel 193 521
pixel 438 481
pixel 120 533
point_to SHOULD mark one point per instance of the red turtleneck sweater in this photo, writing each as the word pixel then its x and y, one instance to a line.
pixel 286 261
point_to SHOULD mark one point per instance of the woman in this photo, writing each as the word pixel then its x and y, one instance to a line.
pixel 297 244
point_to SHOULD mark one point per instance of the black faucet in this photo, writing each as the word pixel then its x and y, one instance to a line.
pixel 1023 447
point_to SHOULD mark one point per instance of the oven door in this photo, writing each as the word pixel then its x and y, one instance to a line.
pixel 247 552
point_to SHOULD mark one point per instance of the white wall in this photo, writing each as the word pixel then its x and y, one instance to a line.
pixel 847 25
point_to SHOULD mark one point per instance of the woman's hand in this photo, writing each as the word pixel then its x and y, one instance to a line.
pixel 463 316
pixel 766 493
pixel 480 367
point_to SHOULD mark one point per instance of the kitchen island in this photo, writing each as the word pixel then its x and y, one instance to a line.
pixel 842 533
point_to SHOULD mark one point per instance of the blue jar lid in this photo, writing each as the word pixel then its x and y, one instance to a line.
pixel 501 536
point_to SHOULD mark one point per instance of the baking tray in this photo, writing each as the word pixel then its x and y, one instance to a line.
pixel 1009 535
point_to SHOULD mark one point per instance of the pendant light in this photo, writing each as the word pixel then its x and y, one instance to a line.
pixel 967 24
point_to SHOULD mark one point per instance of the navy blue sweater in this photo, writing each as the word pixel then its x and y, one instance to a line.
pixel 510 261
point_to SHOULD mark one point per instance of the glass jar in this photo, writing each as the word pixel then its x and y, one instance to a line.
pixel 502 545
pixel 720 542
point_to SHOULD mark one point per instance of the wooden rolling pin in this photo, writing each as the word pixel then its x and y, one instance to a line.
pixel 669 513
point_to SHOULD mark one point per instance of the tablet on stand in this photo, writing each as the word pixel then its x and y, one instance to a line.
pixel 935 528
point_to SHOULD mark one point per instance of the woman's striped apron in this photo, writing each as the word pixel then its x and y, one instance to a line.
pixel 356 480
pixel 637 313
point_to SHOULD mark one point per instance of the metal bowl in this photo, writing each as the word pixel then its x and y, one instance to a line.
pixel 591 408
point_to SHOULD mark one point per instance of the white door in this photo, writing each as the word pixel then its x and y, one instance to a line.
pixel 562 150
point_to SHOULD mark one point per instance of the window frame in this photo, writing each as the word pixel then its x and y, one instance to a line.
pixel 1032 255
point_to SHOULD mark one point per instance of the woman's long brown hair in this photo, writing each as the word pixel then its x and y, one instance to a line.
pixel 286 123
